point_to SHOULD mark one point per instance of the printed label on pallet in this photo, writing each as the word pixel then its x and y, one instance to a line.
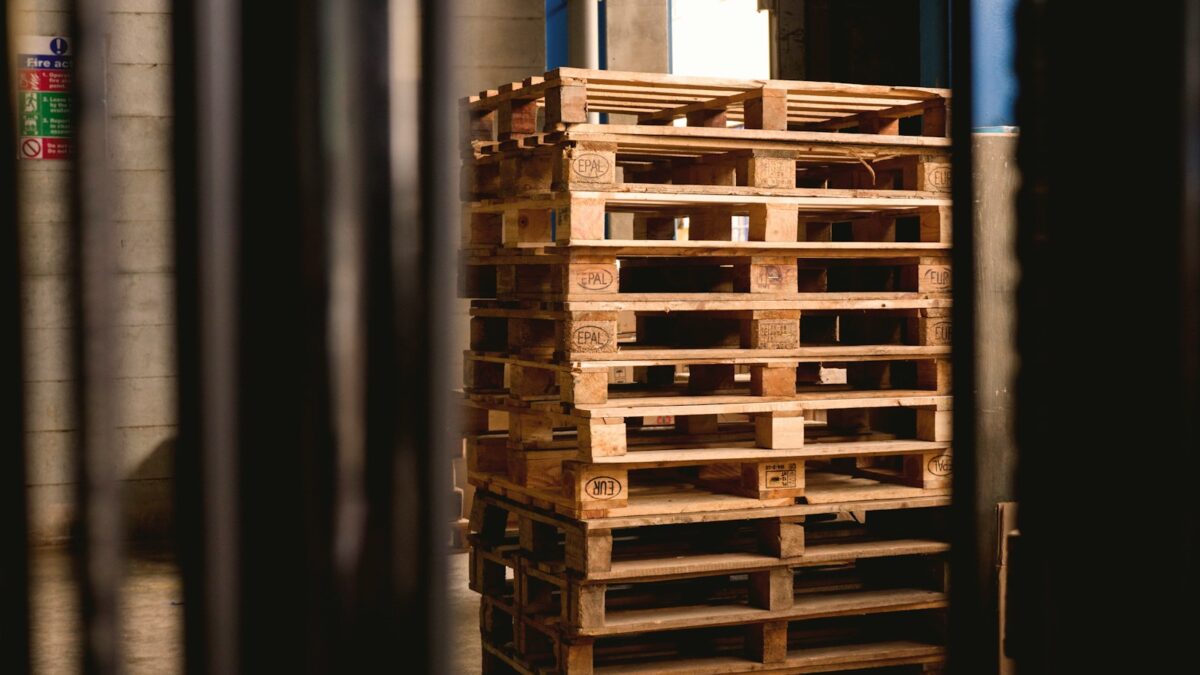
pixel 781 475
pixel 778 334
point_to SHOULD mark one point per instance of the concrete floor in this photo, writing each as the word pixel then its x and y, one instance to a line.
pixel 154 617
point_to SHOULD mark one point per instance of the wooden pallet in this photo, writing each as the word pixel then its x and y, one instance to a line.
pixel 680 331
pixel 779 422
pixel 601 161
pixel 675 371
pixel 609 278
pixel 766 478
pixel 774 213
pixel 567 95
pixel 839 587
pixel 680 544
pixel 736 654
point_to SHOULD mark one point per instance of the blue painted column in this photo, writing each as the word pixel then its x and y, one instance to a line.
pixel 995 82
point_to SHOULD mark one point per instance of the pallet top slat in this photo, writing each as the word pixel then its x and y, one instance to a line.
pixel 656 96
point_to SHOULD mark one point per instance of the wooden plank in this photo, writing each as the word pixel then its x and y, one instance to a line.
pixel 654 194
pixel 820 400
pixel 629 357
pixel 675 517
pixel 804 606
pixel 807 660
pixel 685 457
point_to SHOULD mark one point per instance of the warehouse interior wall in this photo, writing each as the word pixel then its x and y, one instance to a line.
pixel 139 128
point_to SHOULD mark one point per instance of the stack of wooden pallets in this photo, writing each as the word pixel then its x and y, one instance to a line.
pixel 719 455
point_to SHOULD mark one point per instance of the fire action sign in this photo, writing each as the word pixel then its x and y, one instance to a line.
pixel 44 96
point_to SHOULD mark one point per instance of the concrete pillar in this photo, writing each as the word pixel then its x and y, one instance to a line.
pixel 996 272
pixel 638 34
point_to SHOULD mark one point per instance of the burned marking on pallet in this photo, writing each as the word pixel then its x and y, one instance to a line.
pixel 781 475
pixel 593 278
pixel 781 334
pixel 942 465
pixel 938 177
pixel 940 332
pixel 602 487
pixel 590 166
pixel 770 275
pixel 590 338
pixel 936 277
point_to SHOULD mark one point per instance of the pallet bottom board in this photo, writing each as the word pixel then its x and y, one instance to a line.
pixel 809 660
pixel 812 660
pixel 804 606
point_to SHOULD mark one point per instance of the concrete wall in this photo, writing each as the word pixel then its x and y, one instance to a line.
pixel 139 139
pixel 502 41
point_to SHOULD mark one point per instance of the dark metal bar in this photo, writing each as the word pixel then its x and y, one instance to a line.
pixel 98 490
pixel 1107 314
pixel 206 151
pixel 14 526
pixel 366 385
pixel 285 449
pixel 428 343
pixel 970 648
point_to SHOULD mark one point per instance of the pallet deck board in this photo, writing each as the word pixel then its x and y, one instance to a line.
pixel 807 660
pixel 649 458
pixel 804 606
pixel 814 554
pixel 688 503
pixel 631 196
pixel 697 405
pixel 536 253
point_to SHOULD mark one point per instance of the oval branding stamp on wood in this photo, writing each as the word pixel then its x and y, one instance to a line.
pixel 590 166
pixel 593 278
pixel 940 332
pixel 942 465
pixel 602 487
pixel 938 177
pixel 937 277
pixel 590 338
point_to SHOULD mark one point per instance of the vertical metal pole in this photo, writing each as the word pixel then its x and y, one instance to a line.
pixel 422 452
pixel 366 383
pixel 968 645
pixel 285 448
pixel 583 33
pixel 14 526
pixel 98 497
pixel 205 85
pixel 1090 439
